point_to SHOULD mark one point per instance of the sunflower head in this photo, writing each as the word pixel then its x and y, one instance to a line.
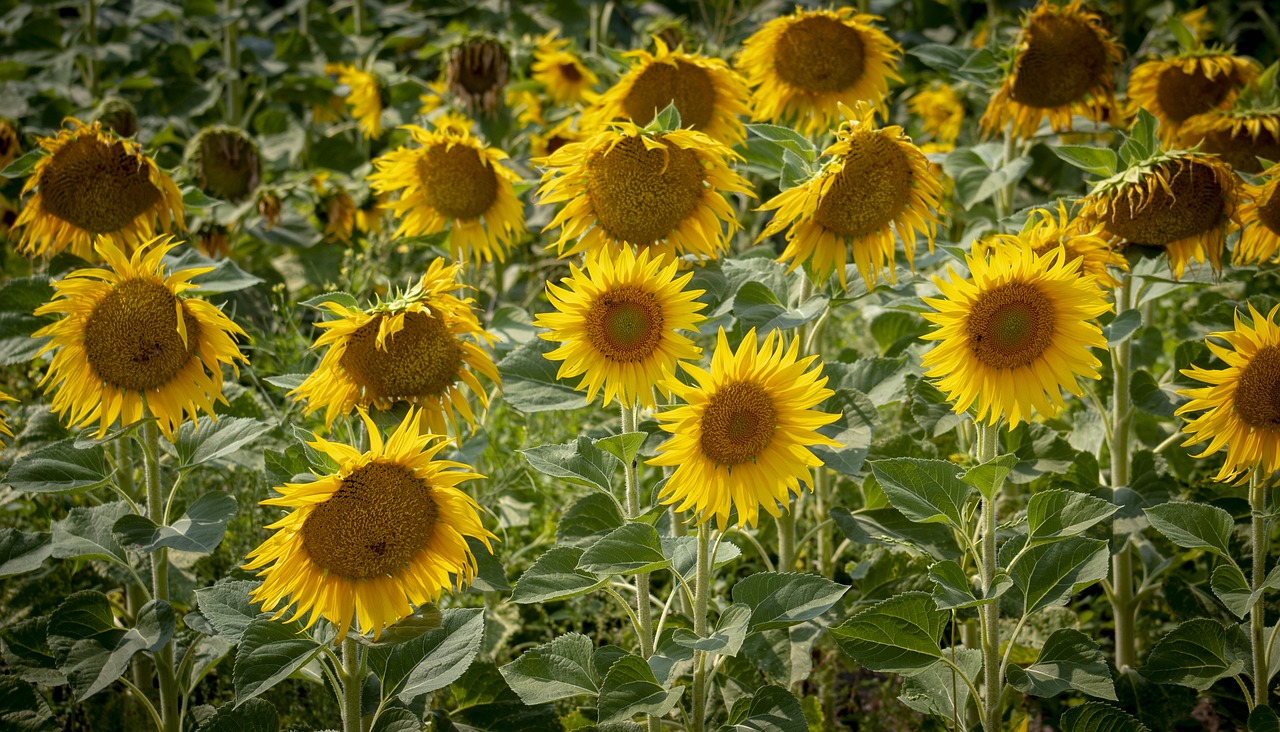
pixel 364 97
pixel 1177 88
pixel 1015 333
pixel 1239 136
pixel 4 425
pixel 878 183
pixel 941 112
pixel 804 65
pixel 130 339
pixel 269 205
pixel 386 532
pixel 118 116
pixel 224 163
pixel 1260 220
pixel 1045 232
pixel 566 78
pixel 335 209
pixel 551 139
pixel 1064 64
pixel 476 73
pixel 1241 402
pixel 10 143
pixel 213 240
pixel 94 184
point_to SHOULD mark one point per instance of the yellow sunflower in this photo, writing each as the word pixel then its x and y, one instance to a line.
pixel 1044 233
pixel 94 184
pixel 880 183
pixel 741 440
pixel 709 95
pixel 1260 219
pixel 549 140
pixel 335 208
pixel 420 348
pixel 527 106
pixel 364 97
pixel 131 340
pixel 1065 64
pixel 803 66
pixel 453 181
pixel 1178 88
pixel 664 191
pixel 1241 409
pixel 566 78
pixel 363 545
pixel 1180 202
pixel 941 112
pixel 617 320
pixel 4 424
pixel 10 144
pixel 8 215
pixel 1015 333
pixel 1239 137
pixel 433 98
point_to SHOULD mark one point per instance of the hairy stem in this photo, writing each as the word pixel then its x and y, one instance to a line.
pixel 987 438
pixel 701 596
pixel 644 610
pixel 352 685
pixel 1123 607
pixel 1257 615
pixel 160 577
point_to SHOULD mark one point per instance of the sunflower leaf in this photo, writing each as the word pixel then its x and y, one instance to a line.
pixel 900 635
pixel 629 549
pixel 1198 653
pixel 1046 575
pixel 23 551
pixel 529 381
pixel 1099 161
pixel 630 688
pixel 1194 526
pixel 925 491
pixel 580 461
pixel 1069 660
pixel 255 715
pixel 779 599
pixel 1055 514
pixel 442 655
pixel 557 670
pixel 1099 717
pixel 207 440
pixel 199 530
pixel 59 468
pixel 555 576
pixel 23 166
pixel 268 653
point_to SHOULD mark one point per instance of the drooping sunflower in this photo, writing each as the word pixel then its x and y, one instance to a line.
pixel 1240 404
pixel 4 424
pixel 10 144
pixel 741 440
pixel 94 184
pixel 663 191
pixel 709 95
pixel 8 215
pixel 1238 136
pixel 618 321
pixel 269 207
pixel 364 97
pixel 566 78
pixel 1182 203
pixel 1260 219
pixel 1015 333
pixel 453 181
pixel 879 183
pixel 117 115
pixel 420 348
pixel 1065 64
pixel 131 340
pixel 363 545
pixel 335 208
pixel 225 163
pixel 1178 88
pixel 476 73
pixel 1044 233
pixel 941 112
pixel 803 66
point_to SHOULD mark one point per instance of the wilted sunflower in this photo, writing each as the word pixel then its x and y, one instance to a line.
pixel 804 65
pixel 742 438
pixel 879 183
pixel 452 180
pixel 1260 219
pixel 664 191
pixel 335 208
pixel 1015 333
pixel 617 320
pixel 10 144
pixel 1243 411
pixel 1182 203
pixel 269 207
pixel 419 348
pixel 1065 64
pixel 1238 136
pixel 117 115
pixel 94 184
pixel 213 240
pixel 8 215
pixel 131 340
pixel 1044 233
pixel 542 144
pixel 566 78
pixel 4 424
pixel 1177 88
pixel 709 95
pixel 224 163
pixel 941 112
pixel 363 545
pixel 364 97
pixel 476 73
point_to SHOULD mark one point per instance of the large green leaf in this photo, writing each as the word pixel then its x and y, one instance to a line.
pixel 629 549
pixel 23 709
pixel 23 551
pixel 578 462
pixel 91 650
pixel 888 526
pixel 1054 514
pixel 1068 660
pixel 954 590
pixel 555 576
pixel 1194 525
pixel 1197 654
pixel 1048 574
pixel 1231 587
pixel 940 690
pixel 58 468
pixel 226 605
pixel 444 654
pixel 900 635
pixel 630 688
pixel 989 477
pixel 726 639
pixel 202 442
pixel 255 715
pixel 553 671
pixel 86 533
pixel 925 491
pixel 779 599
pixel 769 709
pixel 588 519
pixel 529 380
pixel 1099 717
pixel 200 529
pixel 268 653
pixel 981 171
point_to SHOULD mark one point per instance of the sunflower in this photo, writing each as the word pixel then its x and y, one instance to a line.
pixel 10 144
pixel 742 438
pixel 1065 64
pixel 1044 233
pixel 225 163
pixel 269 207
pixel 117 115
pixel 1015 333
pixel 476 73
pixel 1180 202
pixel 94 184
pixel 4 424
pixel 420 348
pixel 335 208
pixel 665 191
pixel 941 112
pixel 542 144
pixel 433 98
pixel 880 183
pixel 387 531
pixel 1178 88
pixel 364 97
pixel 566 78
pixel 130 339
pixel 1240 405
pixel 1260 219
pixel 452 180
pixel 709 96
pixel 1238 136
pixel 804 65
pixel 8 215
pixel 617 321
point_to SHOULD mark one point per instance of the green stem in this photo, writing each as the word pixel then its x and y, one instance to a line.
pixel 352 684
pixel 231 59
pixel 91 39
pixel 1004 199
pixel 787 540
pixel 357 17
pixel 1124 609
pixel 644 609
pixel 987 439
pixel 1257 615
pixel 160 577
pixel 701 596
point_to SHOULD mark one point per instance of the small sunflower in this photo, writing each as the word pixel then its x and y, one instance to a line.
pixel 1241 403
pixel 617 320
pixel 10 144
pixel 742 438
pixel 527 106
pixel 94 184
pixel 269 207
pixel 364 97
pixel 804 65
pixel 665 191
pixel 941 112
pixel 433 98
pixel 363 545
pixel 476 73
pixel 1238 136
pixel 335 208
pixel 1260 219
pixel 708 94
pixel 1065 64
pixel 117 115
pixel 4 424
pixel 1015 333
pixel 225 163
pixel 420 348
pixel 213 240
pixel 566 78
pixel 1044 233
pixel 1180 202
pixel 1178 88
pixel 131 340
pixel 880 183
pixel 549 140
pixel 452 180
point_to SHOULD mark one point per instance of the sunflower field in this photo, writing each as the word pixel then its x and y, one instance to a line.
pixel 621 366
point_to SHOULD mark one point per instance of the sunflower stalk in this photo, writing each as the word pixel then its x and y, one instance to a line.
pixel 91 40
pixel 987 449
pixel 1124 608
pixel 231 58
pixel 701 596
pixel 160 576
pixel 352 684
pixel 644 611
pixel 1257 614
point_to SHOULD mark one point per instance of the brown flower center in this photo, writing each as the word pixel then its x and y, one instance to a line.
pixel 640 195
pixel 457 181
pixel 100 187
pixel 820 54
pixel 1062 60
pixel 228 166
pixel 1240 149
pixel 131 339
pixel 738 423
pixel 1269 208
pixel 1184 95
pixel 686 85
pixel 420 361
pixel 1257 397
pixel 1011 326
pixel 570 72
pixel 625 324
pixel 871 189
pixel 1192 206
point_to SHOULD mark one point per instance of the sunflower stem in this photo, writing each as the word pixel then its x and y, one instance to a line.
pixel 1123 607
pixel 91 40
pixel 1004 199
pixel 701 595
pixel 987 441
pixel 231 58
pixel 644 609
pixel 357 17
pixel 1257 615
pixel 352 684
pixel 160 576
